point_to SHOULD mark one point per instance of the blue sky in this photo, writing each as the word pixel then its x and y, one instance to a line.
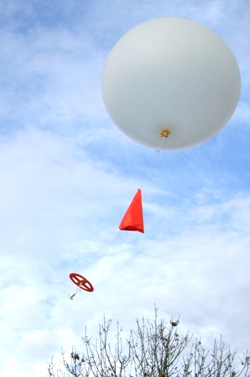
pixel 68 175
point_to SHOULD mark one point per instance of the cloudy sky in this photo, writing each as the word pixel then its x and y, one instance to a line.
pixel 68 175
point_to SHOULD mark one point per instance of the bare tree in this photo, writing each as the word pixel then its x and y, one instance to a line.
pixel 100 359
pixel 154 349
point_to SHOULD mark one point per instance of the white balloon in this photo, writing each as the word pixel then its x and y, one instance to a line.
pixel 170 74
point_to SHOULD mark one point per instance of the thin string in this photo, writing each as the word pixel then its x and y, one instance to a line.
pixel 71 296
pixel 154 158
pixel 111 243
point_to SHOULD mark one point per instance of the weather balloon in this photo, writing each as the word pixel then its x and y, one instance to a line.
pixel 170 77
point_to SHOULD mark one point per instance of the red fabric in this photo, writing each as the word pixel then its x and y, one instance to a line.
pixel 133 218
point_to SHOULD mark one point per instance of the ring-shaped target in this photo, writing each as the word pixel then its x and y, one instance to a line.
pixel 81 282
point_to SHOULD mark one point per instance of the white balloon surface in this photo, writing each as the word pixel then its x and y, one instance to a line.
pixel 170 74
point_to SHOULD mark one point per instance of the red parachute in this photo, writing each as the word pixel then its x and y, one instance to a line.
pixel 133 218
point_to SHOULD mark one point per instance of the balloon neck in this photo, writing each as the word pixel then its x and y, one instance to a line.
pixel 165 133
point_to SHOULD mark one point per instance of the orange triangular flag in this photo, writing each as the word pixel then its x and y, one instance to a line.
pixel 133 218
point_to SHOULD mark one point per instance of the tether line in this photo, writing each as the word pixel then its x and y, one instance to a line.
pixel 155 156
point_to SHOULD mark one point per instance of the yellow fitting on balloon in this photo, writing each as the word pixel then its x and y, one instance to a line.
pixel 165 133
